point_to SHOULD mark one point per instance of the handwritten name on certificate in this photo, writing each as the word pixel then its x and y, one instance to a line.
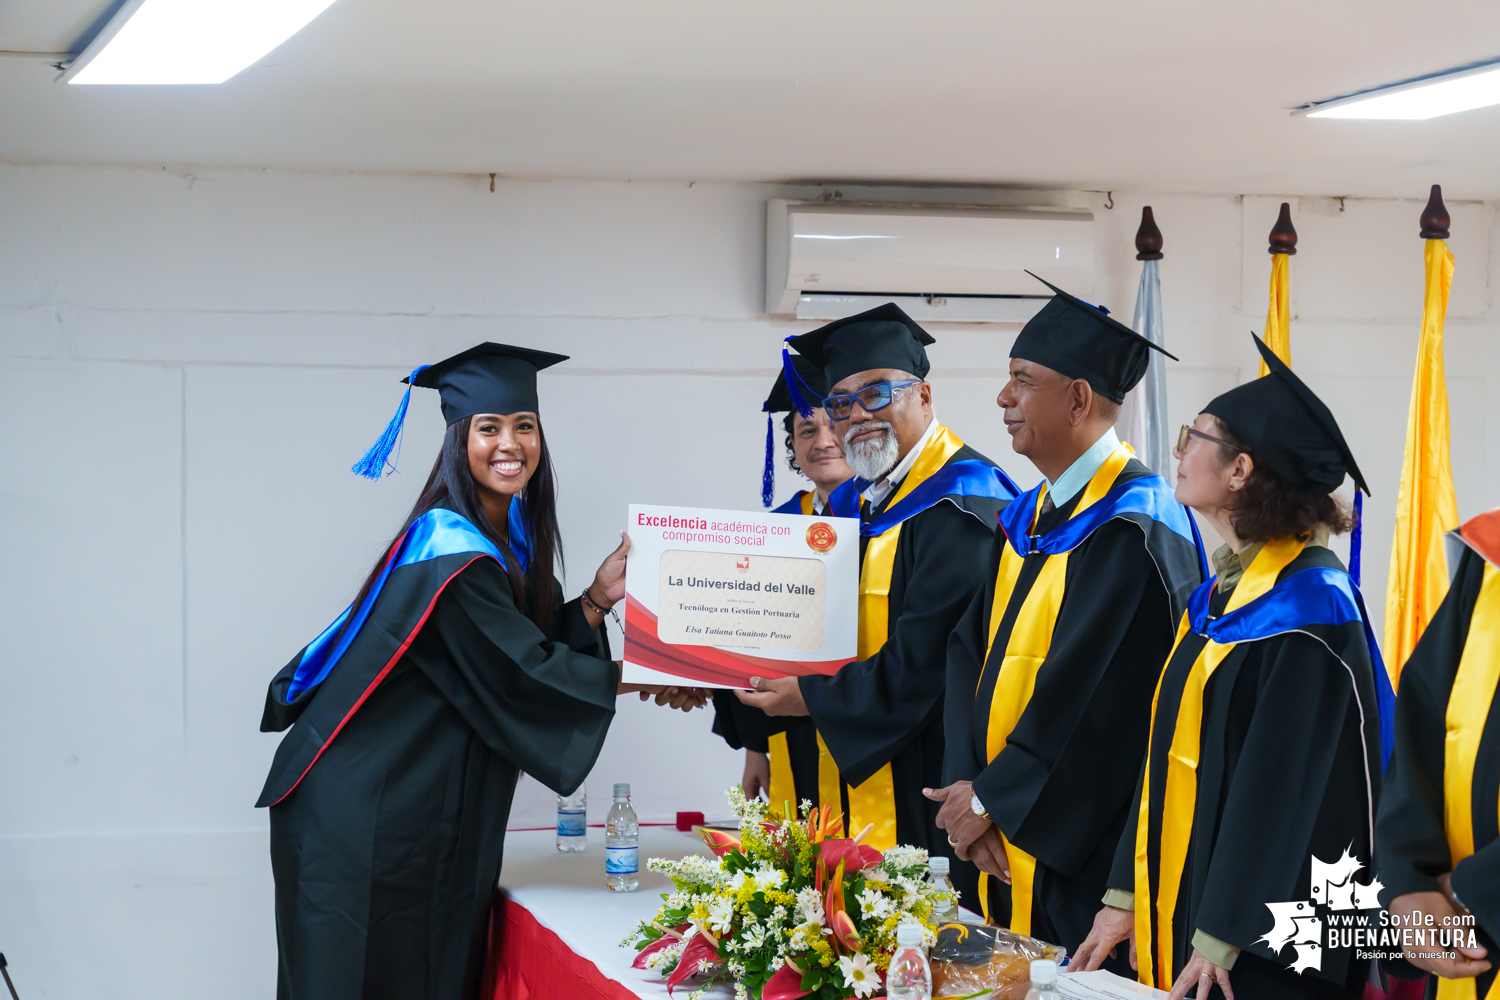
pixel 716 597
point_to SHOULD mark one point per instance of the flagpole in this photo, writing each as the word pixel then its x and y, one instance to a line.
pixel 1146 422
pixel 8 984
pixel 1278 334
pixel 1426 507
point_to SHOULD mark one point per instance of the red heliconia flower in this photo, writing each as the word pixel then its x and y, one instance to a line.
pixel 844 930
pixel 656 946
pixel 699 950
pixel 854 857
pixel 719 842
pixel 824 822
pixel 785 985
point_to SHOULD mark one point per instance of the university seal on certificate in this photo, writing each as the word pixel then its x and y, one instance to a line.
pixel 821 537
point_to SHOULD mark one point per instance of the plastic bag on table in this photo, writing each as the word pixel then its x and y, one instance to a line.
pixel 972 958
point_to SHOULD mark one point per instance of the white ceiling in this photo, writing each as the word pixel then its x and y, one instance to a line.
pixel 1165 95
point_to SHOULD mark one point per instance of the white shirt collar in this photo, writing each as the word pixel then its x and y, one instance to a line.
pixel 877 492
pixel 1080 472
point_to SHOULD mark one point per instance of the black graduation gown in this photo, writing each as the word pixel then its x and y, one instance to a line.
pixel 888 709
pixel 1288 765
pixel 1060 789
pixel 387 853
pixel 1410 839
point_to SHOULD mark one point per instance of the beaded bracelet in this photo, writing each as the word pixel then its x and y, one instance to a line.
pixel 588 602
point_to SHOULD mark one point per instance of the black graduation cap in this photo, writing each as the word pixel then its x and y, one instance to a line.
pixel 883 337
pixel 487 378
pixel 811 388
pixel 1081 340
pixel 1285 425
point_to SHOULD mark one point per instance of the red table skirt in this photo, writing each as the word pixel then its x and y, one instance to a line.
pixel 526 961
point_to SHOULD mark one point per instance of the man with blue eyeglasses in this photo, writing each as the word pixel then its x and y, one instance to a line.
pixel 927 503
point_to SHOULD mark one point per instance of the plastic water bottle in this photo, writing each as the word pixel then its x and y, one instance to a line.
pixel 937 876
pixel 909 977
pixel 1043 980
pixel 622 850
pixel 573 822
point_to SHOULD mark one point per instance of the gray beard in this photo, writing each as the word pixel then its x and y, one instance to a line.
pixel 873 458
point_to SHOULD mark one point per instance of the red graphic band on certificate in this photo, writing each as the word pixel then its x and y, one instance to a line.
pixel 708 665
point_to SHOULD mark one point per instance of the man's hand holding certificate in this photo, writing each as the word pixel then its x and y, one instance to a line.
pixel 716 597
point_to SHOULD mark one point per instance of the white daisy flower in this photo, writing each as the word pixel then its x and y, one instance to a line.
pixel 754 938
pixel 873 905
pixel 767 877
pixel 860 974
pixel 721 915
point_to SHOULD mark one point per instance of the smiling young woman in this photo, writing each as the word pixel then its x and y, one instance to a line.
pixel 457 666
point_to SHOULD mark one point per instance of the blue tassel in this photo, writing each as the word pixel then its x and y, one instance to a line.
pixel 1356 540
pixel 374 463
pixel 795 385
pixel 768 474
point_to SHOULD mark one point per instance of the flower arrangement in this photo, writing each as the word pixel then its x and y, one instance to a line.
pixel 792 908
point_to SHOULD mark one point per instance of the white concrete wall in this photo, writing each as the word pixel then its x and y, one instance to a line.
pixel 192 363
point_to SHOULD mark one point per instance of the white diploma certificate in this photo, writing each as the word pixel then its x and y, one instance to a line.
pixel 715 597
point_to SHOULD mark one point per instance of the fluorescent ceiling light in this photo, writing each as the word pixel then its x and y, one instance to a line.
pixel 1428 97
pixel 189 41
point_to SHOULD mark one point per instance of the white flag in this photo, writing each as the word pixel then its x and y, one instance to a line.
pixel 1143 418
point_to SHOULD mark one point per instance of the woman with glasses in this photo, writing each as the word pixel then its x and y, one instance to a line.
pixel 1254 815
pixel 457 666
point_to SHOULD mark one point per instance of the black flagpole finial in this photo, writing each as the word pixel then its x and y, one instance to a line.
pixel 1435 218
pixel 1148 237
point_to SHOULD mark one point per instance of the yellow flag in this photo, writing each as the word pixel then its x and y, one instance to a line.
pixel 1278 336
pixel 1425 507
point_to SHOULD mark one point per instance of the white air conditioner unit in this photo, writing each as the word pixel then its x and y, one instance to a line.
pixel 827 260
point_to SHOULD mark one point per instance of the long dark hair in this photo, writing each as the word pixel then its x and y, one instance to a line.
pixel 451 485
pixel 1271 506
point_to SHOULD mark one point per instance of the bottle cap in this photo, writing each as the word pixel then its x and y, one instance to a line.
pixel 622 790
pixel 909 934
pixel 938 864
pixel 1043 971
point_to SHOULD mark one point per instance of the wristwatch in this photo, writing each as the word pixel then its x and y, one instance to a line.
pixel 978 807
